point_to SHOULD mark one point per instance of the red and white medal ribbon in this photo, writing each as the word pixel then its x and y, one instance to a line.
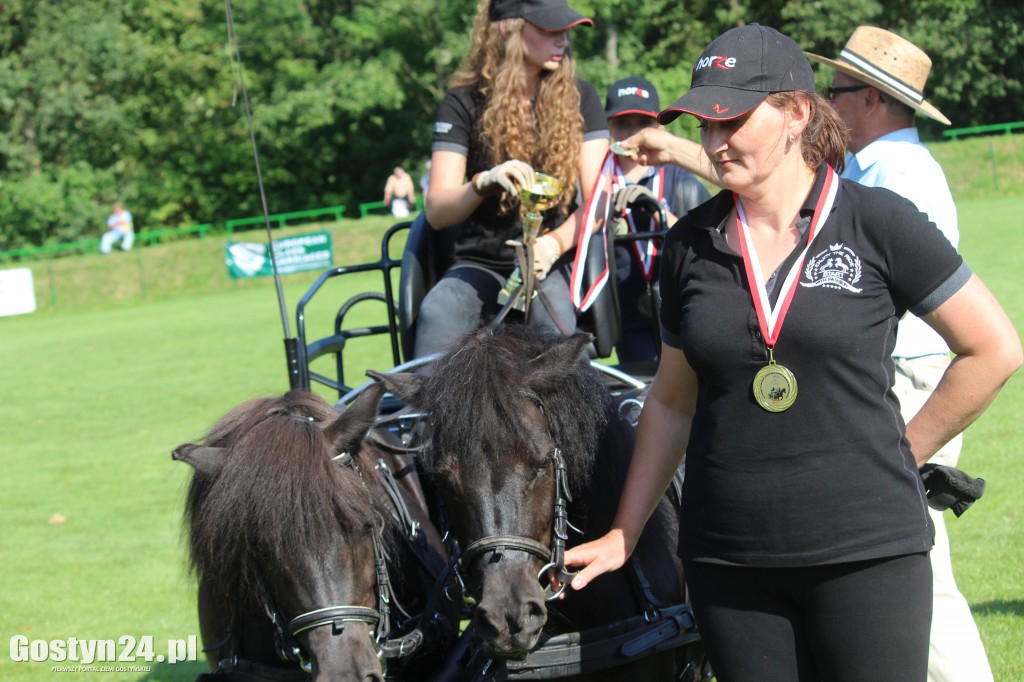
pixel 645 251
pixel 770 320
pixel 598 210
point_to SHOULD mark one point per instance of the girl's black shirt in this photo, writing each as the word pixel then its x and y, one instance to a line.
pixel 457 129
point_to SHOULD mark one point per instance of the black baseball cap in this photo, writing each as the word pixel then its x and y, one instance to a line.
pixel 550 15
pixel 632 95
pixel 738 70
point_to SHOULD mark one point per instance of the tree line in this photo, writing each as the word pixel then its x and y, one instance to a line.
pixel 140 100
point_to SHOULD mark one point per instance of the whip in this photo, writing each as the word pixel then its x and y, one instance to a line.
pixel 291 348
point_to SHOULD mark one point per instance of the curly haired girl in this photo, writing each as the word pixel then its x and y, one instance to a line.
pixel 514 106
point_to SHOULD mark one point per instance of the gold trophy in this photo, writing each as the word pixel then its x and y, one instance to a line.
pixel 541 196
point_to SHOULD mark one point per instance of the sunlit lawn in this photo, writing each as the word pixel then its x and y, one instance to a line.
pixel 94 402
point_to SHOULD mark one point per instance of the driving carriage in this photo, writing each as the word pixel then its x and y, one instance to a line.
pixel 408 269
pixel 530 461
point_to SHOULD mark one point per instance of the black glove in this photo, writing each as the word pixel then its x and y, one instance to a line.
pixel 625 197
pixel 950 488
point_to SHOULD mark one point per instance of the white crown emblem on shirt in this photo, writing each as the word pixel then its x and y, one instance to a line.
pixel 836 267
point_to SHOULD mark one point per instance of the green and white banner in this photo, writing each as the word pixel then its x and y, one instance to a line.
pixel 293 254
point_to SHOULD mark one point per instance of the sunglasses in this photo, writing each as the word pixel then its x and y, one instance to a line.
pixel 832 92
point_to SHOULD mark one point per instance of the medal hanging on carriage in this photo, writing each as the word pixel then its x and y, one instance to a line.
pixel 774 386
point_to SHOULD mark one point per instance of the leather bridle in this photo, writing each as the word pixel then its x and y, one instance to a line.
pixel 286 631
pixel 336 616
pixel 553 555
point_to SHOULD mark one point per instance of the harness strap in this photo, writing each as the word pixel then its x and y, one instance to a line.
pixel 644 593
pixel 432 626
pixel 399 508
pixel 502 543
pixel 607 646
pixel 230 638
pixel 563 328
pixel 336 615
pixel 237 669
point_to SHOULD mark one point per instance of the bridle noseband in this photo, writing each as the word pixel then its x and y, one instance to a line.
pixel 555 554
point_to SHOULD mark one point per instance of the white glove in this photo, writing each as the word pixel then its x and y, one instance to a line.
pixel 504 177
pixel 630 193
pixel 546 250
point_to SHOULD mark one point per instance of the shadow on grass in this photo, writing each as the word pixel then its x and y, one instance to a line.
pixel 999 607
pixel 176 672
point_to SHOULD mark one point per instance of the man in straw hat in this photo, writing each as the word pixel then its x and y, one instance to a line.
pixel 877 88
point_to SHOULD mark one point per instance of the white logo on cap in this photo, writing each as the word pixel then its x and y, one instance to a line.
pixel 634 90
pixel 714 60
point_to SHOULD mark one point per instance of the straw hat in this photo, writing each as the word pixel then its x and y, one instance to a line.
pixel 886 61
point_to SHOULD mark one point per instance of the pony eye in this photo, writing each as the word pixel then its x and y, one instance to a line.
pixel 540 471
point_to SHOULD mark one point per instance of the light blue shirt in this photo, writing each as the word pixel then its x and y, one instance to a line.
pixel 899 162
pixel 116 220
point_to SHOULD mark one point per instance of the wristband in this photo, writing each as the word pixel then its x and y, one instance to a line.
pixel 558 240
pixel 472 183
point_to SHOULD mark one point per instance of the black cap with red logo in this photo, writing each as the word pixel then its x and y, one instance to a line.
pixel 632 95
pixel 738 70
pixel 550 15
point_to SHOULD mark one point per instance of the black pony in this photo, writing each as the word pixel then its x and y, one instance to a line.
pixel 526 443
pixel 291 531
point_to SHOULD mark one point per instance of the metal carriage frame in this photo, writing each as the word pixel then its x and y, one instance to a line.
pixel 424 258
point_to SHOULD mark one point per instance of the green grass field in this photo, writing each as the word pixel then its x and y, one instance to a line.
pixel 97 394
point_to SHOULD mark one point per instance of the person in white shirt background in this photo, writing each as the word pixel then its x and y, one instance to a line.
pixel 119 228
pixel 877 88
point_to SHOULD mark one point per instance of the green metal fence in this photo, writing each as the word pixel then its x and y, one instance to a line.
pixel 1005 128
pixel 158 236
pixel 282 219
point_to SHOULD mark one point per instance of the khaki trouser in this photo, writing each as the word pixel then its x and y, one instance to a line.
pixel 956 653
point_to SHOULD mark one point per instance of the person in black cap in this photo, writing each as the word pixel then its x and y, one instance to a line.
pixel 632 105
pixel 515 106
pixel 804 530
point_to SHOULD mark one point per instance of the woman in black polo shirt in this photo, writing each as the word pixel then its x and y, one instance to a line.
pixel 804 530
pixel 516 106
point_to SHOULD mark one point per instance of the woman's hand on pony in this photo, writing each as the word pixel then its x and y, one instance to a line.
pixel 607 553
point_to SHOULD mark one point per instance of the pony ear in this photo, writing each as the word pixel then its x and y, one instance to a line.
pixel 406 385
pixel 550 369
pixel 203 458
pixel 347 431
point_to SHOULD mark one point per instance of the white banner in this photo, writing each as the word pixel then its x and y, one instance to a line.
pixel 17 294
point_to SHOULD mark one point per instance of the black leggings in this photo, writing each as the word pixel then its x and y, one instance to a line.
pixel 867 620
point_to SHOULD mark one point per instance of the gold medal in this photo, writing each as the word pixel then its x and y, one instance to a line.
pixel 774 386
pixel 645 304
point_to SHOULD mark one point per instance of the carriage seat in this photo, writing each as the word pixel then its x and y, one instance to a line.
pixel 428 253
